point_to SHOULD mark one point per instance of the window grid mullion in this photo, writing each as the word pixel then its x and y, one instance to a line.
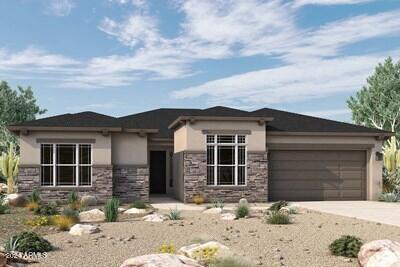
pixel 54 165
pixel 236 161
pixel 77 165
pixel 215 160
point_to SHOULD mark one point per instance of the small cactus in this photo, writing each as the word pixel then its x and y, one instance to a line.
pixel 9 168
pixel 346 246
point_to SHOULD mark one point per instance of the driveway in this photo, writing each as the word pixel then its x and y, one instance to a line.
pixel 380 212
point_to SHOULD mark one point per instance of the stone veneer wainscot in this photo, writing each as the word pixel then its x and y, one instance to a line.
pixel 131 183
pixel 102 187
pixel 195 179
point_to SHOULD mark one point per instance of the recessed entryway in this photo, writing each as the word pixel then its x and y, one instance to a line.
pixel 157 172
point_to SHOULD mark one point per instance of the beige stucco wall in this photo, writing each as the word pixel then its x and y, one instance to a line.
pixel 30 149
pixel 191 138
pixel 374 167
pixel 129 149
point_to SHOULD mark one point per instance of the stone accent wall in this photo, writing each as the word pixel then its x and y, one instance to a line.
pixel 195 180
pixel 131 183
pixel 29 179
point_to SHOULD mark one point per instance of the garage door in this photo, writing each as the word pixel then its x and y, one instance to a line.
pixel 317 175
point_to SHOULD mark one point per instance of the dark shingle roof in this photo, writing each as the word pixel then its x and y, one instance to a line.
pixel 292 122
pixel 161 118
pixel 81 119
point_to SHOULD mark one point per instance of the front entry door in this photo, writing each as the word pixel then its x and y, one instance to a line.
pixel 157 172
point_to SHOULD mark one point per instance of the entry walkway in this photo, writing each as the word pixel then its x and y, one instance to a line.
pixel 374 211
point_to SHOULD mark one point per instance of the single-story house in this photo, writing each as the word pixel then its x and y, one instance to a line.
pixel 220 153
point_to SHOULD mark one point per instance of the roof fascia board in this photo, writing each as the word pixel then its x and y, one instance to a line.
pixel 192 119
pixel 62 129
pixel 353 134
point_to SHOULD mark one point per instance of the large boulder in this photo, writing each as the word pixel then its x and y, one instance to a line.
pixel 160 260
pixel 189 251
pixel 83 229
pixel 90 216
pixel 213 211
pixel 154 218
pixel 380 253
pixel 16 200
pixel 135 211
pixel 89 200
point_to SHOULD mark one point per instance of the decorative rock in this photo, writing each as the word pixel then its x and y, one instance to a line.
pixel 3 188
pixel 285 210
pixel 89 200
pixel 213 211
pixel 189 250
pixel 379 253
pixel 121 210
pixel 135 211
pixel 16 200
pixel 154 218
pixel 243 201
pixel 94 215
pixel 83 229
pixel 228 216
pixel 160 260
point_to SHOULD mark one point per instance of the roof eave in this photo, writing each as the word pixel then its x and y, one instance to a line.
pixel 378 135
pixel 192 119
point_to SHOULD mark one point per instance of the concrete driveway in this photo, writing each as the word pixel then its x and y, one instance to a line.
pixel 382 212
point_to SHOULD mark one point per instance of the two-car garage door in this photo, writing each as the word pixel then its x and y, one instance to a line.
pixel 317 175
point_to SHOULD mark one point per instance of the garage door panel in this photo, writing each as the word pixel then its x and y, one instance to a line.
pixel 305 175
pixel 305 185
pixel 304 165
pixel 352 156
pixel 306 155
pixel 317 175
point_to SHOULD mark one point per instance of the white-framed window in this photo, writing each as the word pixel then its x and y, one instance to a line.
pixel 66 164
pixel 226 159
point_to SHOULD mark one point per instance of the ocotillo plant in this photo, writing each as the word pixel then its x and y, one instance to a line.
pixel 9 168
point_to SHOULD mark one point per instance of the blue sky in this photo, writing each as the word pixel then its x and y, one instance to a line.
pixel 120 57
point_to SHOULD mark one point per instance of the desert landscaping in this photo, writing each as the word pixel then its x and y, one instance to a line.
pixel 251 239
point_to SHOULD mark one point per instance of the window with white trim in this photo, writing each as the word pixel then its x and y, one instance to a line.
pixel 66 164
pixel 226 159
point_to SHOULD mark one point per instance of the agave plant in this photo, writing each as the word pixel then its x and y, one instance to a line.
pixel 9 168
pixel 391 160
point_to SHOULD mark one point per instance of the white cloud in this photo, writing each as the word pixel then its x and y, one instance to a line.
pixel 327 113
pixel 287 84
pixel 59 7
pixel 298 3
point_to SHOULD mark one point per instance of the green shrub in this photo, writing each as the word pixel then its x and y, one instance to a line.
pixel 276 217
pixel 111 210
pixel 71 213
pixel 74 201
pixel 48 209
pixel 218 204
pixel 28 242
pixel 230 262
pixel 4 208
pixel 346 246
pixel 138 204
pixel 389 197
pixel 242 210
pixel 174 214
pixel 278 205
pixel 34 196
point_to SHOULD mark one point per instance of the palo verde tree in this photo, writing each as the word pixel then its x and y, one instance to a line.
pixel 15 106
pixel 378 103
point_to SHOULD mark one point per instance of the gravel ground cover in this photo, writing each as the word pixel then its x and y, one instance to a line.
pixel 14 223
pixel 303 243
